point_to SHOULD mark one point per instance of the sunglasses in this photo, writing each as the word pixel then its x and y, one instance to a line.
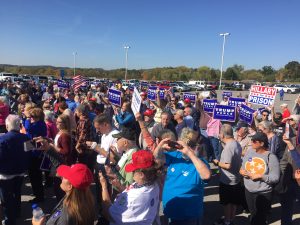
pixel 265 114
pixel 255 141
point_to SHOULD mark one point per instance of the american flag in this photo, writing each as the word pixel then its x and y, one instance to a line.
pixel 79 81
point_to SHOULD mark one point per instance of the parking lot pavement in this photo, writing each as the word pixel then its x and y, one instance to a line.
pixel 212 208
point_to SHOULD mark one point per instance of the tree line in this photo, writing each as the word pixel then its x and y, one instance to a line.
pixel 290 72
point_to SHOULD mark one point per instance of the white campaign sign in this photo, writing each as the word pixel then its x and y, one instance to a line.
pixel 136 101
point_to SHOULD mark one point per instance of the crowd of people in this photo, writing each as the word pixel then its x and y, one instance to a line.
pixel 159 159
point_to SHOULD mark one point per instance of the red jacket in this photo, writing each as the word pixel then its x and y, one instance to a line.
pixel 4 112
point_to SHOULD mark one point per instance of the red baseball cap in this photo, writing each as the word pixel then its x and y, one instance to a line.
pixel 143 94
pixel 187 100
pixel 141 159
pixel 149 112
pixel 79 175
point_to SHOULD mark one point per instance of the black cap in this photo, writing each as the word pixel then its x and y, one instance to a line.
pixel 241 124
pixel 126 133
pixel 261 137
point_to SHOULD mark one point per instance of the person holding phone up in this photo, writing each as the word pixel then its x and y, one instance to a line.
pixel 184 184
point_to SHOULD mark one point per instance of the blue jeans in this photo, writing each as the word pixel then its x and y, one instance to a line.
pixel 186 222
pixel 10 196
pixel 216 145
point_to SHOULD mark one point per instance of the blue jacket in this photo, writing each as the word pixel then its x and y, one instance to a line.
pixel 126 119
pixel 35 129
pixel 71 105
pixel 13 159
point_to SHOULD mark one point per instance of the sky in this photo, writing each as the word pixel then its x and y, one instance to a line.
pixel 160 33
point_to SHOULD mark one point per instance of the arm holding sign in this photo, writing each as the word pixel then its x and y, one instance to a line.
pixel 256 121
pixel 295 154
pixel 146 134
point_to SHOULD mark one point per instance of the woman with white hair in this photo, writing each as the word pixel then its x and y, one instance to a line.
pixel 4 111
pixel 274 140
pixel 14 162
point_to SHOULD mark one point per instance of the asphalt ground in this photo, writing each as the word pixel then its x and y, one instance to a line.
pixel 212 209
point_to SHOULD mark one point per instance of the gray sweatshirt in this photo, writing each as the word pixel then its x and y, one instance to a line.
pixel 264 163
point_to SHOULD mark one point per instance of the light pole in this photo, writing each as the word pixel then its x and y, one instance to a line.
pixel 224 38
pixel 74 65
pixel 126 55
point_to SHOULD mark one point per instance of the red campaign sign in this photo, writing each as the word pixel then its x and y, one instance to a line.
pixel 263 91
pixel 262 95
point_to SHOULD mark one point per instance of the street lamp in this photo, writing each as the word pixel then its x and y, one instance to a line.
pixel 74 65
pixel 126 55
pixel 224 38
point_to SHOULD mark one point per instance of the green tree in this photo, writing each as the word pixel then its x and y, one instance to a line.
pixel 293 70
pixel 267 70
pixel 231 74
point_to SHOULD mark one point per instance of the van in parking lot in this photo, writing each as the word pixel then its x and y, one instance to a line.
pixel 198 83
pixel 8 76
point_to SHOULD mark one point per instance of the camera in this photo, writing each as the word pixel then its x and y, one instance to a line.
pixel 174 144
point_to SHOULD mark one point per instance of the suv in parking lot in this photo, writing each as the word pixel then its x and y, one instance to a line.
pixel 287 88
pixel 180 87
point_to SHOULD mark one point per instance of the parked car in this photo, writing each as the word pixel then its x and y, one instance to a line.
pixel 179 87
pixel 286 88
pixel 211 86
pixel 7 76
pixel 199 83
pixel 26 78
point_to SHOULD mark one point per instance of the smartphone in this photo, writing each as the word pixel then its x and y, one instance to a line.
pixel 102 169
pixel 174 144
pixel 287 130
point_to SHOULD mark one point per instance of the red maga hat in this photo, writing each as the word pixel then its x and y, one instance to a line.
pixel 149 112
pixel 141 159
pixel 79 175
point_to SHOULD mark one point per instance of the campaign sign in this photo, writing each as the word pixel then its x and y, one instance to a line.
pixel 161 93
pixel 144 85
pixel 152 93
pixel 227 93
pixel 236 101
pixel 209 105
pixel 136 101
pixel 262 95
pixel 190 96
pixel 63 84
pixel 114 97
pixel 224 113
pixel 246 114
